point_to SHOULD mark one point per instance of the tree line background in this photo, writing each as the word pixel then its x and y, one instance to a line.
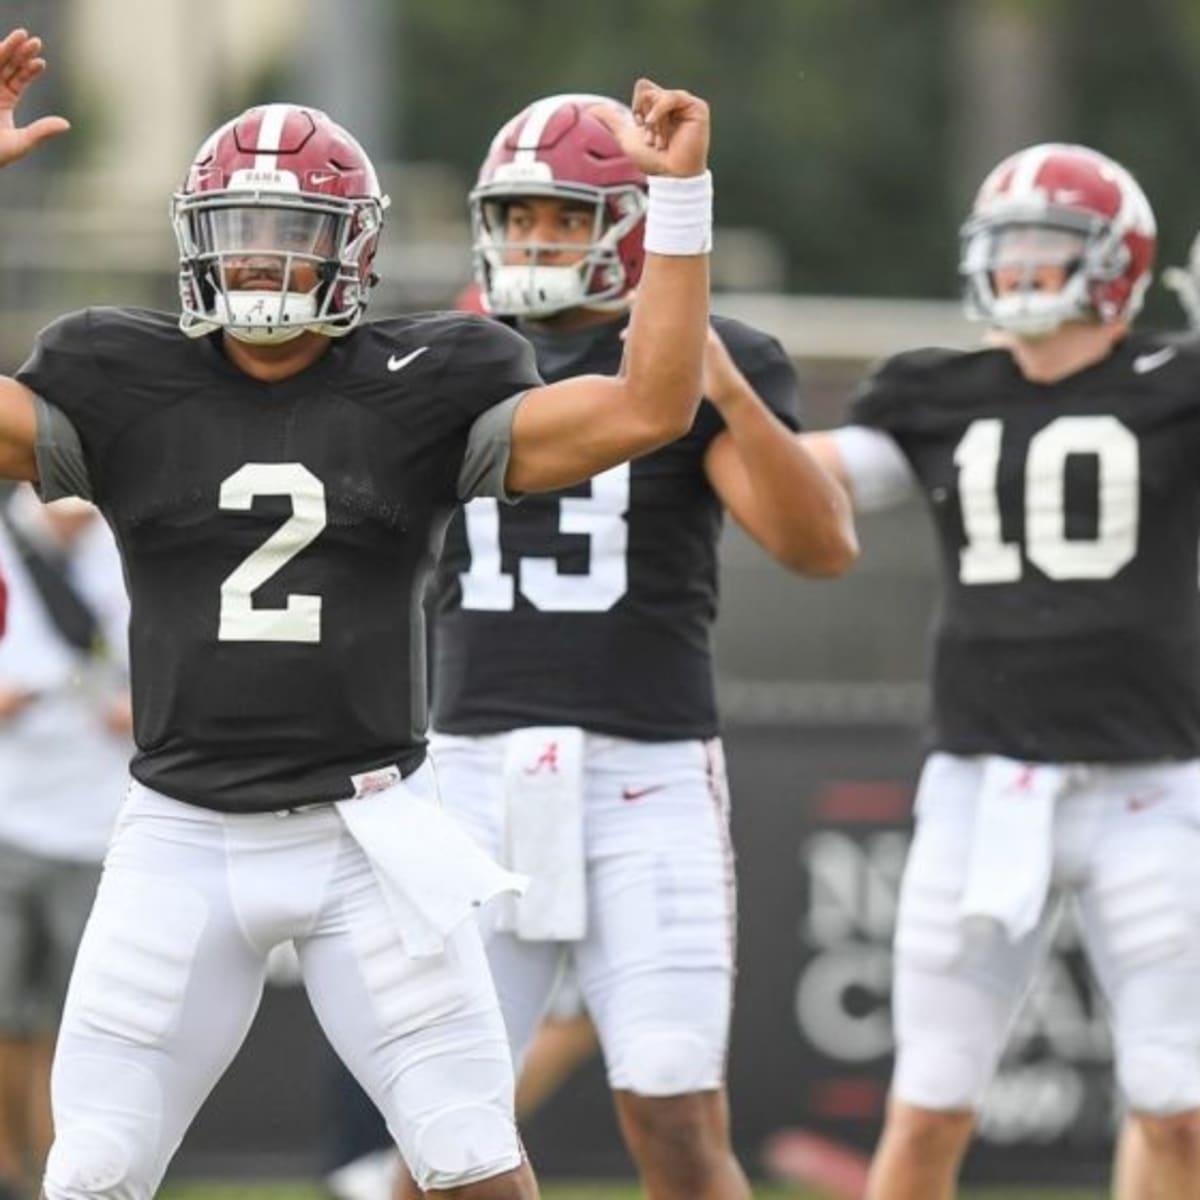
pixel 852 131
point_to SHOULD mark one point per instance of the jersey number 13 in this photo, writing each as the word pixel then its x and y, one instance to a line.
pixel 600 517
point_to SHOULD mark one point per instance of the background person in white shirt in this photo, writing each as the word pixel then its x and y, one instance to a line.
pixel 64 750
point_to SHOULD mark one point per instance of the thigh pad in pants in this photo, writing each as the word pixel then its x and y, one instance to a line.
pixel 656 968
pixel 953 1000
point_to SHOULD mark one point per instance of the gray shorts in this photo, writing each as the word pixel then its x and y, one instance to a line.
pixel 44 904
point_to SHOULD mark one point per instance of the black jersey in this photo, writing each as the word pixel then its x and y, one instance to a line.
pixel 276 538
pixel 593 606
pixel 1068 516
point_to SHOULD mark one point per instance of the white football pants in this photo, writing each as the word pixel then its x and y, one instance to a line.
pixel 656 965
pixel 170 973
pixel 1126 849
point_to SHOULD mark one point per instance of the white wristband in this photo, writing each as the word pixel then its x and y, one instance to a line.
pixel 679 214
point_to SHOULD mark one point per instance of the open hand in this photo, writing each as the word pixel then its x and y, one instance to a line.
pixel 20 64
pixel 665 133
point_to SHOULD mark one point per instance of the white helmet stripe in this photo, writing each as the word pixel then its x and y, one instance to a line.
pixel 1135 213
pixel 540 114
pixel 1024 177
pixel 270 132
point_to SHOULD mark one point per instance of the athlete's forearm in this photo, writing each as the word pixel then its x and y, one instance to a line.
pixel 18 431
pixel 794 508
pixel 575 428
pixel 822 448
pixel 866 462
pixel 664 347
pixel 662 368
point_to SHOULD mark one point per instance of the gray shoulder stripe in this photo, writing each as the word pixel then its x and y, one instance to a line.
pixel 62 467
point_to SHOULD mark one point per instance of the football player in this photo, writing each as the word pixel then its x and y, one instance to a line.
pixel 64 749
pixel 1132 1177
pixel 279 475
pixel 574 708
pixel 1059 467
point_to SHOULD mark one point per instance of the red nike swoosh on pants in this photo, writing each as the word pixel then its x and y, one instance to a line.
pixel 628 793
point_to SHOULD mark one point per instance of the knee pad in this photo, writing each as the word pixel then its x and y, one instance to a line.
pixel 108 1118
pixel 668 1063
pixel 1143 920
pixel 131 976
pixel 452 1111
pixel 929 927
pixel 85 1163
pixel 458 1145
pixel 1158 1077
pixel 942 1073
pixel 951 1022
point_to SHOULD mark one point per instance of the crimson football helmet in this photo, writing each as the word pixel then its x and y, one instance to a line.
pixel 1064 206
pixel 276 189
pixel 557 148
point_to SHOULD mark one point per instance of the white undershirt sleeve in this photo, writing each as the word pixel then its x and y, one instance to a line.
pixel 880 476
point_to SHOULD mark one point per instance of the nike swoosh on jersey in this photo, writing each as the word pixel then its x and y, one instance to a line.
pixel 1144 363
pixel 398 364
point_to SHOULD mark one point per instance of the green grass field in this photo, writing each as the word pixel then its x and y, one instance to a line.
pixel 574 1191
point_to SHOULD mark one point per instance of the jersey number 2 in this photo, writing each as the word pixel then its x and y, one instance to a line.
pixel 987 558
pixel 300 619
pixel 600 517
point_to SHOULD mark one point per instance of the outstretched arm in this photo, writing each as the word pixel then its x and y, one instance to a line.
pixel 20 64
pixel 823 448
pixel 775 489
pixel 574 429
pixel 866 462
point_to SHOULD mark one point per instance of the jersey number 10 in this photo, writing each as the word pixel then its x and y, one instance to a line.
pixel 988 558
